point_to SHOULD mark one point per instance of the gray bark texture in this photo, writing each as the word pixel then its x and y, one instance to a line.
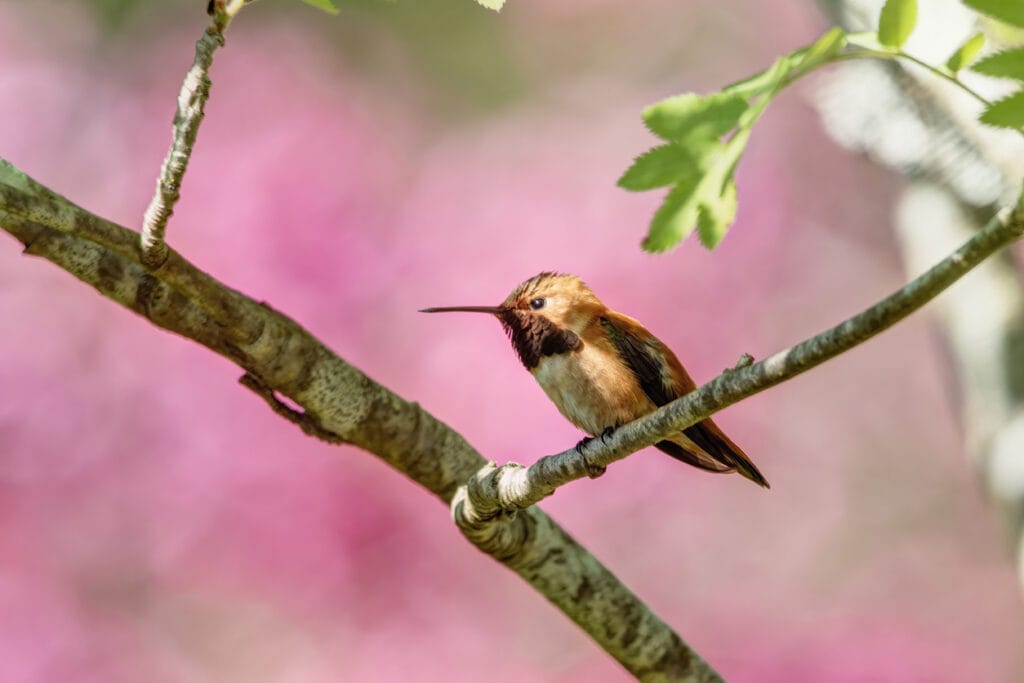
pixel 340 404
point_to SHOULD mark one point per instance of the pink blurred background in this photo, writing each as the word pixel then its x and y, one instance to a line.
pixel 158 523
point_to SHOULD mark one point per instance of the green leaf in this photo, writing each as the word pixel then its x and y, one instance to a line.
pixel 1010 11
pixel 325 5
pixel 692 116
pixel 495 5
pixel 766 82
pixel 713 221
pixel 1006 113
pixel 674 220
pixel 780 70
pixel 896 22
pixel 1005 64
pixel 867 40
pixel 824 48
pixel 658 167
pixel 706 200
pixel 966 53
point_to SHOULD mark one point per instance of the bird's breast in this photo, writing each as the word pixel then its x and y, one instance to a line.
pixel 592 387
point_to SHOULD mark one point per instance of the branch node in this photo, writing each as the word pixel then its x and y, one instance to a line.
pixel 745 360
pixel 306 422
pixel 486 520
pixel 594 470
pixel 31 248
pixel 153 254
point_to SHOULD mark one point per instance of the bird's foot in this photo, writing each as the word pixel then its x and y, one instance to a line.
pixel 593 471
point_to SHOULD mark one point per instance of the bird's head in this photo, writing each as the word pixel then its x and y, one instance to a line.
pixel 549 299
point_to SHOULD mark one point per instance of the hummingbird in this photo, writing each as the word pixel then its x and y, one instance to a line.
pixel 603 369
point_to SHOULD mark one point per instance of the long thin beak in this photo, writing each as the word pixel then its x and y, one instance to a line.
pixel 494 310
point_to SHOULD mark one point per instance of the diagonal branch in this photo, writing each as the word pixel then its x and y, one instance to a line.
pixel 479 508
pixel 282 359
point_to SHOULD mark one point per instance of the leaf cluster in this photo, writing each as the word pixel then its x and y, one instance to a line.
pixel 703 136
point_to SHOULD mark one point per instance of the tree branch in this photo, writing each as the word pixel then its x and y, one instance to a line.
pixel 479 507
pixel 283 359
pixel 195 90
pixel 983 330
pixel 304 421
pixel 958 169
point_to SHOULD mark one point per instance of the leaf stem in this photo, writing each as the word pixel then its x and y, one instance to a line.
pixel 947 75
pixel 867 53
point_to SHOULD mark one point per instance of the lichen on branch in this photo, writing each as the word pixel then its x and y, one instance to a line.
pixel 339 403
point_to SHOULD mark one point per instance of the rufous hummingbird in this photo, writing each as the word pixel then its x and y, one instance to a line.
pixel 604 369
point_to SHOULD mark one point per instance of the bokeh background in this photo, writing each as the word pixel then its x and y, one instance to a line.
pixel 158 523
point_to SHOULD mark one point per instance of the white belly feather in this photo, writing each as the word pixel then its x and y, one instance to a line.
pixel 591 389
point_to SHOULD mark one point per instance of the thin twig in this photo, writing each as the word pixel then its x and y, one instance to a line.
pixel 495 491
pixel 195 90
pixel 947 75
pixel 306 422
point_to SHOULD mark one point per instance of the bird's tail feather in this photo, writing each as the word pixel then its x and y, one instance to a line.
pixel 705 446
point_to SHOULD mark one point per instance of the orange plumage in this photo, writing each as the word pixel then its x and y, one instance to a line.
pixel 603 369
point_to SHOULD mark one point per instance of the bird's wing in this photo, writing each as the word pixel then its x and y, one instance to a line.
pixel 663 378
pixel 647 357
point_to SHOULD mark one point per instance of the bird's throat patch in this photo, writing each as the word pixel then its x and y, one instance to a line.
pixel 534 336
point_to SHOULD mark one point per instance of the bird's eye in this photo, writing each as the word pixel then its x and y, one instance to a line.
pixel 537 303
